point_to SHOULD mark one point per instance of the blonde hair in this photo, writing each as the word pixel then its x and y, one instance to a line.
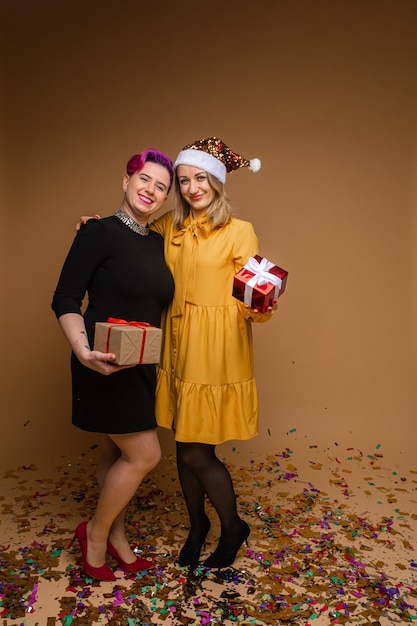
pixel 219 212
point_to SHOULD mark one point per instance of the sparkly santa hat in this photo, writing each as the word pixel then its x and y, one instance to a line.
pixel 213 156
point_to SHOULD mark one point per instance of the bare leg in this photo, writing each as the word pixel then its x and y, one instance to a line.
pixel 110 454
pixel 139 453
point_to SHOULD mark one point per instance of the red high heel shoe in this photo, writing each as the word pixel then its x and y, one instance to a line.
pixel 137 566
pixel 101 573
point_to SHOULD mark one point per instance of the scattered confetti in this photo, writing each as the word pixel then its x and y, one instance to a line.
pixel 315 557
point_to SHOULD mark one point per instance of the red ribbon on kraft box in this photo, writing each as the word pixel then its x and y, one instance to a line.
pixel 144 325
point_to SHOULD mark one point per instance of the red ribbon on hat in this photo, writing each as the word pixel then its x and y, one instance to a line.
pixel 144 325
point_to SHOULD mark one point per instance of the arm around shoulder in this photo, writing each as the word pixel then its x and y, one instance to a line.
pixel 162 224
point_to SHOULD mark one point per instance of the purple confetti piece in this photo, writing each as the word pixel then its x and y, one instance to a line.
pixel 32 598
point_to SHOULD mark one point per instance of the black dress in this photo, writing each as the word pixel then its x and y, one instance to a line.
pixel 125 276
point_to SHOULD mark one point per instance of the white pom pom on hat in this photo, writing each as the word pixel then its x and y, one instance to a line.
pixel 214 157
pixel 254 165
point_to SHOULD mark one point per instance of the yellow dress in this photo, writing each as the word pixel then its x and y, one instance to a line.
pixel 206 389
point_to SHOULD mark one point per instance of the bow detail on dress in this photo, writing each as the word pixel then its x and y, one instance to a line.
pixel 193 228
pixel 187 238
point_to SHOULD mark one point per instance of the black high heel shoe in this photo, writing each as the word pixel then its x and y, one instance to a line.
pixel 190 552
pixel 227 548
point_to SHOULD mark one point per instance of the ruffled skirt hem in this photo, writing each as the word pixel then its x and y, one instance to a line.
pixel 209 414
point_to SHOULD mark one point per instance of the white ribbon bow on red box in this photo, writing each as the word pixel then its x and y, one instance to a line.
pixel 261 277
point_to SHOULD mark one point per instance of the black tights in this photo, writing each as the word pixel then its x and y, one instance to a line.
pixel 202 473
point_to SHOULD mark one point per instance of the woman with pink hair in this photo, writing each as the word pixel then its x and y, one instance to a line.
pixel 120 263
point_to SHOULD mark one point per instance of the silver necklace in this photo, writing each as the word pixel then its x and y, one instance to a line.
pixel 129 221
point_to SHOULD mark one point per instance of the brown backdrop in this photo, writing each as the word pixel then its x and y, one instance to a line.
pixel 324 93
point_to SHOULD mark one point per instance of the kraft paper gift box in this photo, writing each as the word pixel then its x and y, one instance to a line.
pixel 131 342
pixel 259 282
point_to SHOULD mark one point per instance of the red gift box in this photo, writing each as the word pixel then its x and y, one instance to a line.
pixel 259 282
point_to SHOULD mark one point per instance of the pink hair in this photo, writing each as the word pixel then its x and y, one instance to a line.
pixel 137 161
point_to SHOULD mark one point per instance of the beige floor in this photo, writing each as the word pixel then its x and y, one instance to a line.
pixel 333 541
